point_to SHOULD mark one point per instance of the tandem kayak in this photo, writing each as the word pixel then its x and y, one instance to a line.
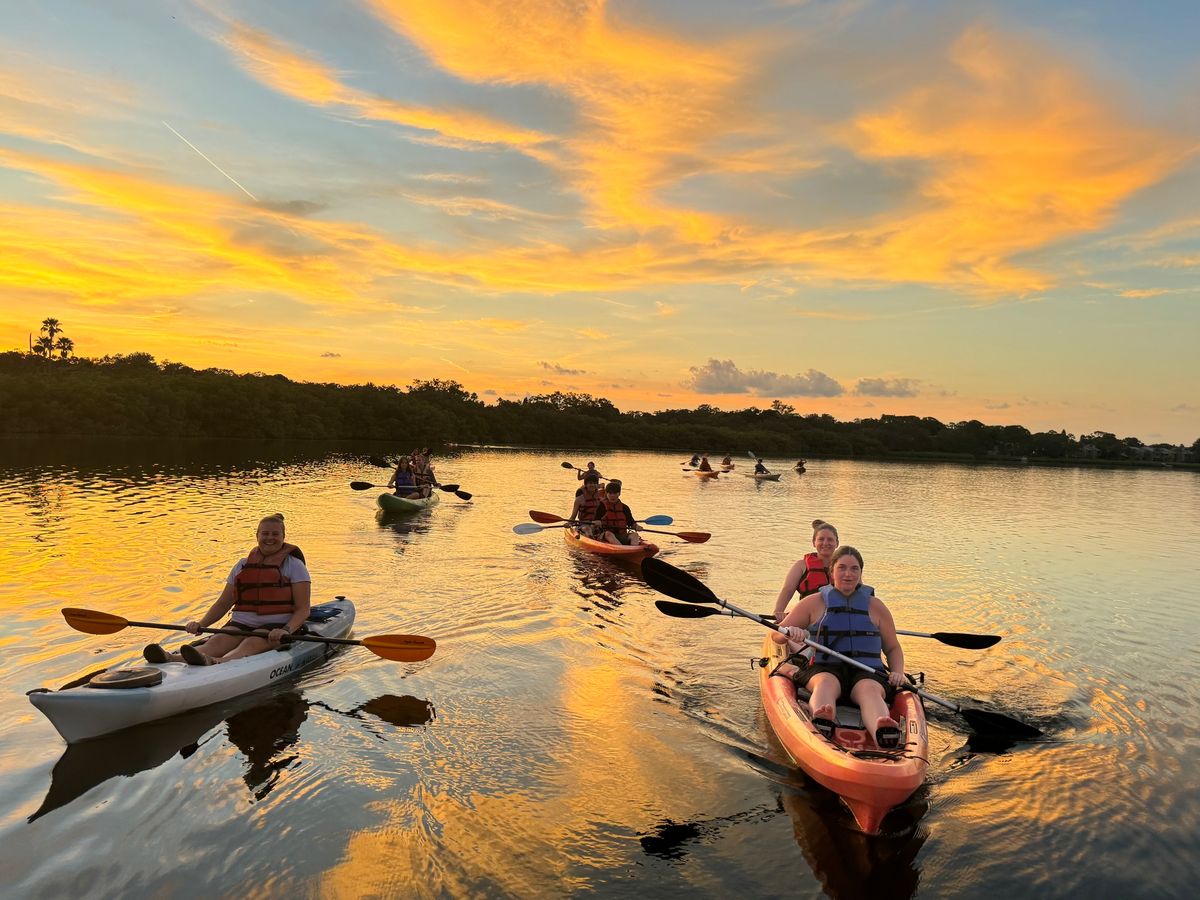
pixel 106 704
pixel 393 503
pixel 763 476
pixel 604 548
pixel 870 781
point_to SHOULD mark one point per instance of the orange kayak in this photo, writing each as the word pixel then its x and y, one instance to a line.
pixel 603 548
pixel 700 474
pixel 870 781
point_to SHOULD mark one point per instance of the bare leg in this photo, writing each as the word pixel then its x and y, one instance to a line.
pixel 868 694
pixel 219 644
pixel 611 538
pixel 250 646
pixel 825 689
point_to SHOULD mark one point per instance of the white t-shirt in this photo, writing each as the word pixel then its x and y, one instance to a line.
pixel 293 570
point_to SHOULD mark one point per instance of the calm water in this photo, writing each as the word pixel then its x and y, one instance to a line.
pixel 566 738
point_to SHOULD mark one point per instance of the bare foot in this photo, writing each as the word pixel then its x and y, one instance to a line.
pixel 826 712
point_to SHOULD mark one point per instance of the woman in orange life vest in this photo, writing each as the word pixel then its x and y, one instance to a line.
pixel 809 573
pixel 846 616
pixel 268 590
pixel 587 499
pixel 614 522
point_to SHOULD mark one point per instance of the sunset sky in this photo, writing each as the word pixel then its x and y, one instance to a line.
pixel 957 209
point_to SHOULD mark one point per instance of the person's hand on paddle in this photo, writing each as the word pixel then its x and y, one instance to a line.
pixel 275 638
pixel 794 633
pixel 193 627
pixel 896 678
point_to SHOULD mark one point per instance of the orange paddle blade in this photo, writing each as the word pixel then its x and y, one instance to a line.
pixel 545 518
pixel 92 621
pixel 401 647
pixel 694 537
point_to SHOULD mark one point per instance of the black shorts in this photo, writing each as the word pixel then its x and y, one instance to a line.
pixel 847 676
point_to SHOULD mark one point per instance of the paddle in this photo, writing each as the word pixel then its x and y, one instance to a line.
pixel 692 537
pixel 958 639
pixel 396 647
pixel 452 488
pixel 384 464
pixel 547 518
pixel 665 578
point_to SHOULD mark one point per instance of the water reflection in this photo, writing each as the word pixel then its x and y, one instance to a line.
pixel 262 730
pixel 671 840
pixel 849 864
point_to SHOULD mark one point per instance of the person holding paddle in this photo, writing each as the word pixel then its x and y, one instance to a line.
pixel 849 619
pixel 613 520
pixel 582 474
pixel 402 479
pixel 269 589
pixel 704 464
pixel 811 573
pixel 587 499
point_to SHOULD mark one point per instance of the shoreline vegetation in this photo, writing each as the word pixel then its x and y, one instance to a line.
pixel 136 396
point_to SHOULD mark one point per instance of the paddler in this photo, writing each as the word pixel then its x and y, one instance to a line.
pixel 586 501
pixel 590 470
pixel 269 590
pixel 846 616
pixel 614 522
pixel 760 469
pixel 704 466
pixel 402 479
pixel 810 573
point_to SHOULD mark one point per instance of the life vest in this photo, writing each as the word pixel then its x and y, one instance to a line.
pixel 847 627
pixel 261 586
pixel 614 518
pixel 815 576
pixel 588 507
pixel 404 478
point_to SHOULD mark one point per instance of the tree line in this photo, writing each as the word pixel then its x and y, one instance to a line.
pixel 135 395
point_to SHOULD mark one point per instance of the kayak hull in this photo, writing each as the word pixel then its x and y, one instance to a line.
pixel 700 474
pixel 392 503
pixel 80 713
pixel 870 781
pixel 759 476
pixel 603 548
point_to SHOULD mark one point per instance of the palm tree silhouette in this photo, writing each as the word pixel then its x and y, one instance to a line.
pixel 64 345
pixel 51 327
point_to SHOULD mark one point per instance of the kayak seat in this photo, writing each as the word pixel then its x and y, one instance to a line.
pixel 324 612
pixel 847 716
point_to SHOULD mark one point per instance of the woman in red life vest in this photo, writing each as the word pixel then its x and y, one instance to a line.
pixel 587 500
pixel 847 617
pixel 269 590
pixel 614 522
pixel 809 573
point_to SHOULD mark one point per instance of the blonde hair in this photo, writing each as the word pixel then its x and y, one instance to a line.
pixel 274 517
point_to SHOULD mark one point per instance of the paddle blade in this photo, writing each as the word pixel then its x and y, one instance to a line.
pixel 91 621
pixel 694 537
pixel 401 647
pixel 361 485
pixel 448 488
pixel 567 465
pixel 966 641
pixel 380 461
pixel 463 495
pixel 527 528
pixel 544 517
pixel 659 520
pixel 666 579
pixel 988 723
pixel 683 611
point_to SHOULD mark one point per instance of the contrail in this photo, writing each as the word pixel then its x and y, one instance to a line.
pixel 453 363
pixel 210 162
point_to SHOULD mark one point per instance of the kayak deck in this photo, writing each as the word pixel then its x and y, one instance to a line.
pixel 82 712
pixel 870 781
pixel 603 548
pixel 393 503
pixel 763 476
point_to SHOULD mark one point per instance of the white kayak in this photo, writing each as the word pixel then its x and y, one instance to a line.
pixel 763 476
pixel 90 710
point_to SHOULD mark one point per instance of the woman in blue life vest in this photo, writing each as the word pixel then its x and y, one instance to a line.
pixel 846 616
pixel 403 479
pixel 268 591
pixel 614 521
pixel 810 573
